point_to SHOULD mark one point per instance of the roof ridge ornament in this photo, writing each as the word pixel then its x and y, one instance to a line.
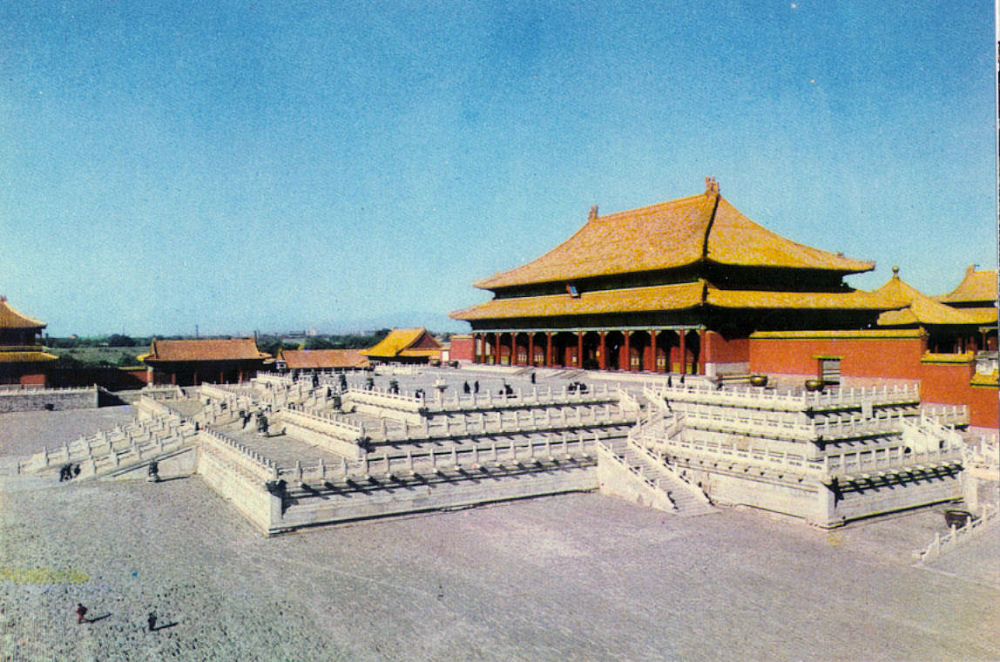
pixel 895 273
pixel 593 213
pixel 711 186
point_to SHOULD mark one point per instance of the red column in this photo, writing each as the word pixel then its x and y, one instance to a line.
pixel 513 348
pixel 531 349
pixel 548 349
pixel 684 358
pixel 628 353
pixel 701 351
pixel 579 349
pixel 496 348
pixel 602 360
pixel 651 352
pixel 475 339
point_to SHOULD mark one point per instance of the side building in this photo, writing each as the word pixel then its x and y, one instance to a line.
pixel 405 346
pixel 675 287
pixel 193 362
pixel 23 360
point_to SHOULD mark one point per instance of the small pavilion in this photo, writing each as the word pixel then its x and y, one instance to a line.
pixel 678 286
pixel 949 329
pixel 23 360
pixel 977 295
pixel 405 346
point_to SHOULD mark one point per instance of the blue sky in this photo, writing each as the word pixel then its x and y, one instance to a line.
pixel 291 165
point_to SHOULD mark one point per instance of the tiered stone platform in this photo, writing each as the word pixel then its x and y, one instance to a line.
pixel 828 457
pixel 325 449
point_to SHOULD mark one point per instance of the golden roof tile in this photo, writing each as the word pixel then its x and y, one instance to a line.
pixel 669 235
pixel 849 300
pixel 914 307
pixel 399 340
pixel 681 296
pixel 976 287
pixel 636 299
pixel 12 319
pixel 26 357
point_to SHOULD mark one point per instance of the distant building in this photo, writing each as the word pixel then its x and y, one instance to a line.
pixel 321 359
pixel 674 287
pixel 193 362
pixel 23 360
pixel 405 346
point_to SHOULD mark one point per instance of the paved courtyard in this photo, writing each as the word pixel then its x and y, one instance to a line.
pixel 579 577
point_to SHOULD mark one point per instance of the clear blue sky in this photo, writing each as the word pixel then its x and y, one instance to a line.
pixel 287 165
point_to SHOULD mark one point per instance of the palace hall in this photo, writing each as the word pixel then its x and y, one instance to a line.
pixel 678 286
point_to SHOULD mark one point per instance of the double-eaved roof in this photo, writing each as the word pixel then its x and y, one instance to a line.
pixel 915 308
pixel 703 228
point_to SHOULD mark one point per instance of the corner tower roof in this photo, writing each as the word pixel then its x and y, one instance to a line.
pixel 700 228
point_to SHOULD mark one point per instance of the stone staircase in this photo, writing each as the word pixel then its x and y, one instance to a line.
pixel 688 500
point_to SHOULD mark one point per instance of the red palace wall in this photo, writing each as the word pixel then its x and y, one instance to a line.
pixel 33 380
pixel 943 379
pixel 720 350
pixel 461 348
pixel 887 357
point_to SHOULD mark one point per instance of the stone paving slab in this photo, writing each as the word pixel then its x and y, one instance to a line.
pixel 576 577
pixel 26 432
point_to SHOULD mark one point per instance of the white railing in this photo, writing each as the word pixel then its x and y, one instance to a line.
pixel 161 433
pixel 499 421
pixel 790 426
pixel 242 456
pixel 330 424
pixel 953 538
pixel 750 456
pixel 454 456
pixel 521 398
pixel 759 398
pixel 983 452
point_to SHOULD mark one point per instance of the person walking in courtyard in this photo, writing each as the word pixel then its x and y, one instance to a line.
pixel 475 386
pixel 81 613
pixel 151 621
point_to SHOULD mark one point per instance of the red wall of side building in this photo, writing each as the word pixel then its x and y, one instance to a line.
pixel 461 348
pixel 720 350
pixel 897 358
pixel 941 381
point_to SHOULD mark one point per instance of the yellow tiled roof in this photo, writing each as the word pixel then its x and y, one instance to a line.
pixel 317 359
pixel 914 307
pixel 850 300
pixel 637 299
pixel 212 349
pixel 977 286
pixel 397 341
pixel 12 319
pixel 680 296
pixel 26 357
pixel 669 235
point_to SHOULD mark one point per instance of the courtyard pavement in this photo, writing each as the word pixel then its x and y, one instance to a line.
pixel 573 577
